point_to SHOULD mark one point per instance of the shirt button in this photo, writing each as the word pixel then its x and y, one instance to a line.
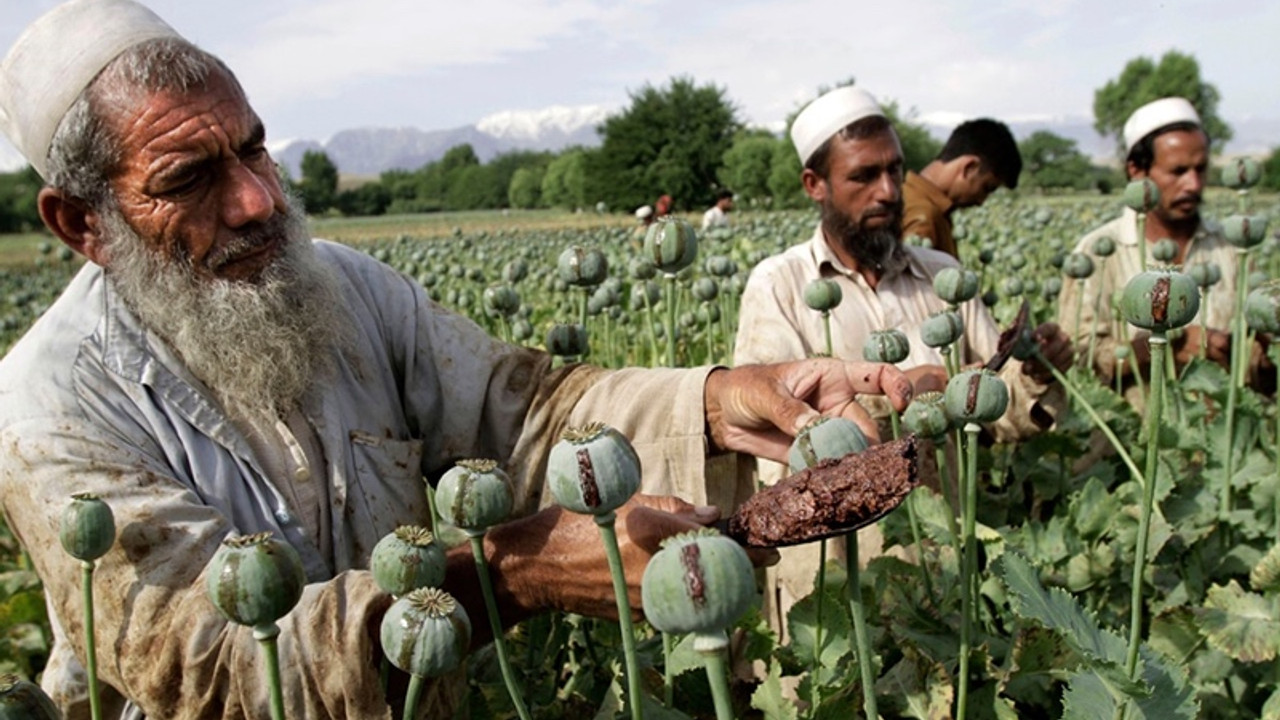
pixel 283 517
pixel 302 474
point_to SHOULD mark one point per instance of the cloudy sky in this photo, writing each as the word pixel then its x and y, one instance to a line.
pixel 314 67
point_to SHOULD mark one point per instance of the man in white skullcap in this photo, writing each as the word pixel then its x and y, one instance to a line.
pixel 212 371
pixel 1165 143
pixel 853 170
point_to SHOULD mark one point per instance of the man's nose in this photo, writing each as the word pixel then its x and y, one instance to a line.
pixel 248 197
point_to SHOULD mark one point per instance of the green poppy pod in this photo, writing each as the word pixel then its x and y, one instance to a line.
pixel 699 582
pixel 823 295
pixel 825 438
pixel 1159 300
pixel 976 396
pixel 567 340
pixel 1241 173
pixel 515 271
pixel 255 580
pixel 501 300
pixel 582 267
pixel 1256 279
pixel 1012 286
pixel 1122 352
pixel 1245 231
pixel 886 346
pixel 1205 274
pixel 926 416
pixel 593 469
pixel 426 633
pixel 406 559
pixel 474 495
pixel 1141 195
pixel 88 529
pixel 706 289
pixel 1078 266
pixel 1052 287
pixel 1104 246
pixel 1017 260
pixel 1262 308
pixel 942 328
pixel 24 700
pixel 990 298
pixel 671 244
pixel 642 269
pixel 955 285
pixel 721 266
pixel 986 255
pixel 1165 250
pixel 521 330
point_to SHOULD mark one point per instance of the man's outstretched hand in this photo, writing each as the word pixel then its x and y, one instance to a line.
pixel 758 409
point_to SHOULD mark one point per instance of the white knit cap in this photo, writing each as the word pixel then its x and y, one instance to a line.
pixel 829 114
pixel 1155 115
pixel 57 57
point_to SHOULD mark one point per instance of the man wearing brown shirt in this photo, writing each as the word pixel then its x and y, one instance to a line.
pixel 979 157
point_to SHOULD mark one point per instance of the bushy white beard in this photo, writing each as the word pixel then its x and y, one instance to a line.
pixel 258 346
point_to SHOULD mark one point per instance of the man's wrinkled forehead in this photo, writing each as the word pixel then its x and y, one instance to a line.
pixel 57 57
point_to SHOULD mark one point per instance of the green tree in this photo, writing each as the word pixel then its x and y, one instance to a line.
pixel 1144 80
pixel 371 198
pixel 1052 161
pixel 1271 171
pixel 784 176
pixel 525 190
pixel 747 164
pixel 18 191
pixel 319 184
pixel 669 140
pixel 919 146
pixel 565 184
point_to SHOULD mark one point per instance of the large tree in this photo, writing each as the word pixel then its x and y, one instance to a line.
pixel 669 140
pixel 319 184
pixel 747 163
pixel 1144 80
pixel 1052 161
pixel 565 184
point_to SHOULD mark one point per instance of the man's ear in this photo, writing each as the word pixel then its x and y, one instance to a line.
pixel 1131 169
pixel 71 219
pixel 815 186
pixel 970 166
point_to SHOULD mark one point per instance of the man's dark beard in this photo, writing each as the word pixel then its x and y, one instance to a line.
pixel 870 248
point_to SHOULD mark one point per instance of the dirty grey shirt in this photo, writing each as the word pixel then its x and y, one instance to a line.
pixel 92 402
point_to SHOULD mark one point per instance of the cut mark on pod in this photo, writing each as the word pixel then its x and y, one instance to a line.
pixel 1160 300
pixel 693 581
pixel 587 479
pixel 971 399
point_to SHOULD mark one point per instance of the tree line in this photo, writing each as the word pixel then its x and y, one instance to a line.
pixel 687 140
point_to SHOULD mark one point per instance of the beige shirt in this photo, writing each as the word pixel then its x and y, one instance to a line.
pixel 774 323
pixel 1092 297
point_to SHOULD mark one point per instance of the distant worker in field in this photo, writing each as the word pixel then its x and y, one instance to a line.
pixel 718 215
pixel 663 207
pixel 978 158
pixel 852 168
pixel 212 371
pixel 1167 144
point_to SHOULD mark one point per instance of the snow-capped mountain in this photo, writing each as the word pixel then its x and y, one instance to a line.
pixel 538 125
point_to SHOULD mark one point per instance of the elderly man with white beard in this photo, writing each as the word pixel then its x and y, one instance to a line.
pixel 212 371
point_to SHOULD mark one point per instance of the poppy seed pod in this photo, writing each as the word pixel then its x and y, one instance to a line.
pixel 926 416
pixel 1262 308
pixel 406 559
pixel 24 700
pixel 1245 231
pixel 582 267
pixel 515 271
pixel 721 266
pixel 474 495
pixel 426 633
pixel 1165 250
pixel 942 329
pixel 501 300
pixel 955 285
pixel 1052 287
pixel 88 529
pixel 671 244
pixel 976 396
pixel 1241 173
pixel 823 295
pixel 699 582
pixel 706 289
pixel 642 269
pixel 1104 246
pixel 986 255
pixel 567 340
pixel 1078 266
pixel 826 437
pixel 1205 274
pixel 1012 286
pixel 886 346
pixel 593 469
pixel 1159 300
pixel 255 580
pixel 1141 196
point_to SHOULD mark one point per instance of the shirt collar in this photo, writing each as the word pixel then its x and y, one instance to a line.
pixel 826 259
pixel 931 192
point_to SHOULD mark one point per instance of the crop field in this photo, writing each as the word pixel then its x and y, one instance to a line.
pixel 1045 601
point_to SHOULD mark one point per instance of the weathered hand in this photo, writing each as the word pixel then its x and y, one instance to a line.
pixel 927 378
pixel 758 409
pixel 1187 345
pixel 1056 348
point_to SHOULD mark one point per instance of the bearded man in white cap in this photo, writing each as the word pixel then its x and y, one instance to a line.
pixel 212 371
pixel 1165 143
pixel 853 169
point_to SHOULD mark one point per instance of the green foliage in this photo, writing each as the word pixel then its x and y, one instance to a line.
pixel 369 199
pixel 1052 161
pixel 1144 80
pixel 1271 171
pixel 18 191
pixel 919 147
pixel 669 140
pixel 747 164
pixel 565 182
pixel 319 183
pixel 526 187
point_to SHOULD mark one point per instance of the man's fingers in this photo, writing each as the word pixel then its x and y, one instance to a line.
pixel 648 527
pixel 880 379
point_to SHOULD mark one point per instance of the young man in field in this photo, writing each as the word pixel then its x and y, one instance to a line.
pixel 979 157
pixel 1166 144
pixel 853 170
pixel 717 216
pixel 212 371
